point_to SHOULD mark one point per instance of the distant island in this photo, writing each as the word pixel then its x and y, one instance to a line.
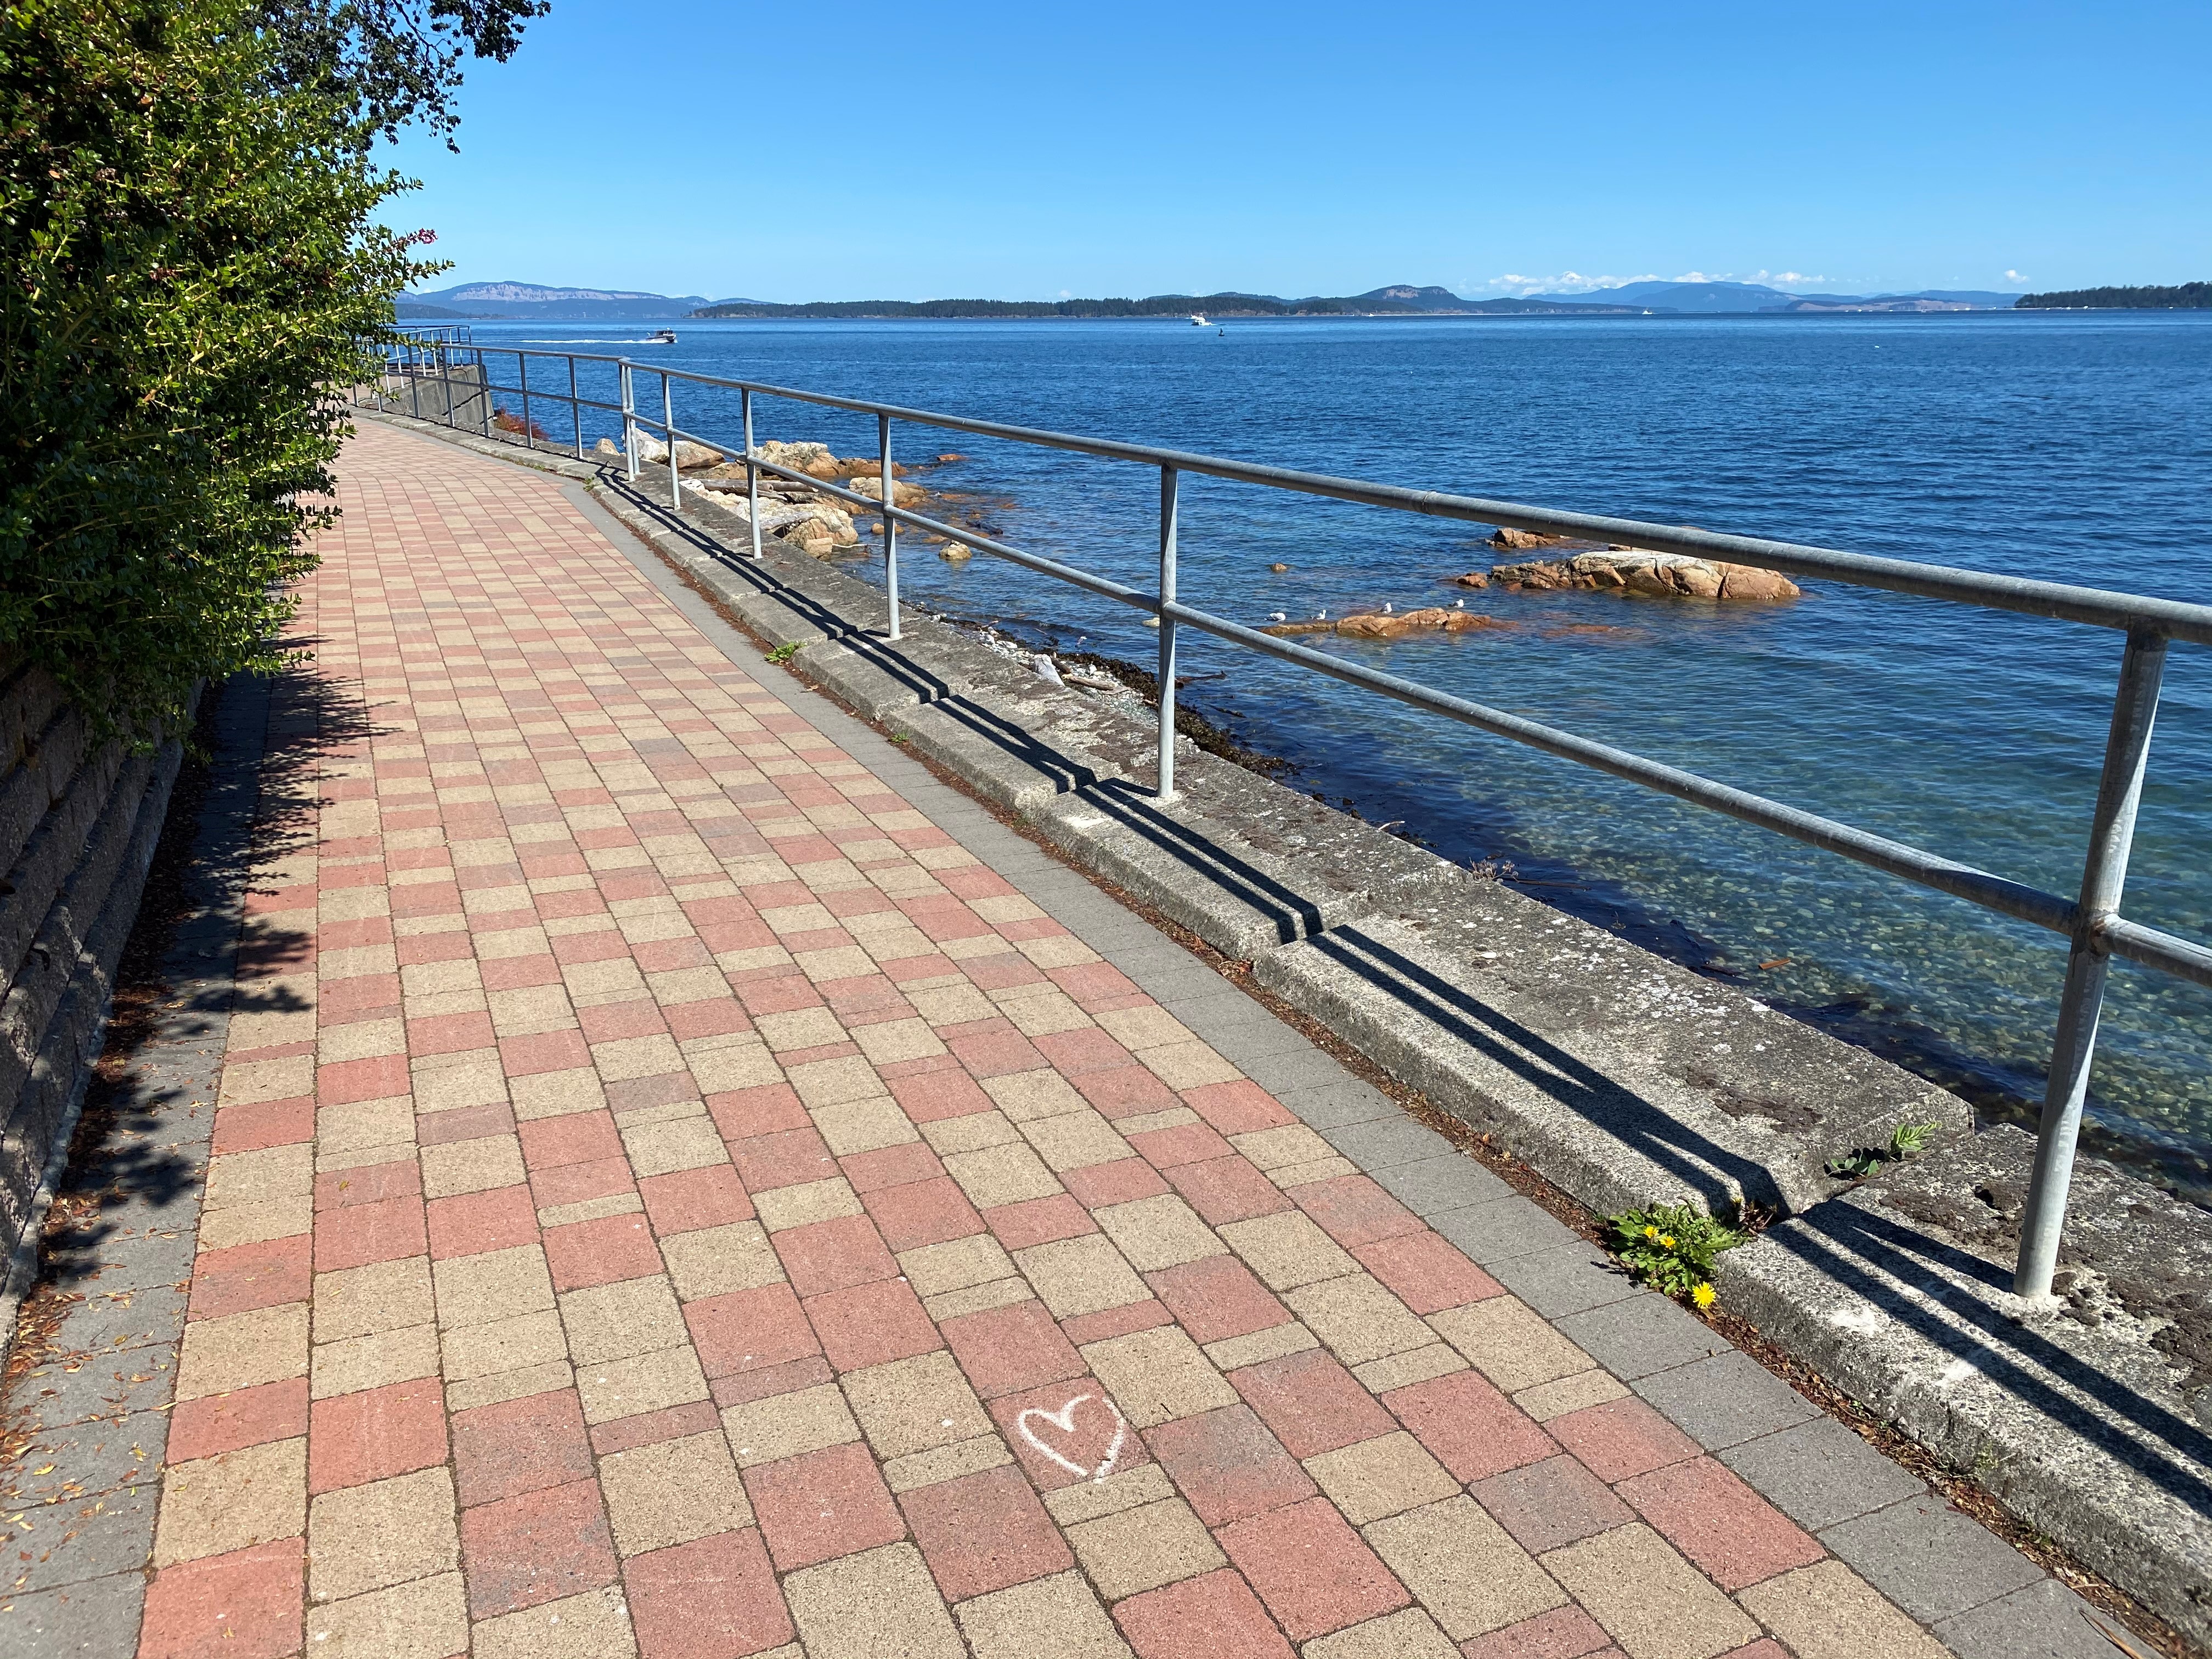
pixel 516 301
pixel 1652 298
pixel 1403 301
pixel 2190 296
pixel 486 301
pixel 509 300
pixel 1723 299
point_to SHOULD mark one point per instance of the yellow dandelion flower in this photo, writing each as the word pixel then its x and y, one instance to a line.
pixel 1703 1296
pixel 1666 1241
pixel 1651 1232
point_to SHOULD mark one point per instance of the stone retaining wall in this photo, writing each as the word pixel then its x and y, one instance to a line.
pixel 78 831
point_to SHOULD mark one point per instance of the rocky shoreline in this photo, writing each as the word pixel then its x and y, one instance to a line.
pixel 797 513
pixel 802 517
pixel 1586 568
pixel 1635 570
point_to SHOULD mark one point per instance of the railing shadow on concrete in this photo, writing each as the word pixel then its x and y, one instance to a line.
pixel 1623 1113
pixel 1065 773
pixel 1854 1249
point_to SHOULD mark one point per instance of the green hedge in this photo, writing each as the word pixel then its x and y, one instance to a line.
pixel 189 253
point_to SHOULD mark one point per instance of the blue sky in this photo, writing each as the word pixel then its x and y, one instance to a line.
pixel 863 150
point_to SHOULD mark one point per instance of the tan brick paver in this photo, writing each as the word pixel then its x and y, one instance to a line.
pixel 671 1199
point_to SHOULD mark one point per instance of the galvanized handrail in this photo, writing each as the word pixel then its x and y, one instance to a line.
pixel 2092 921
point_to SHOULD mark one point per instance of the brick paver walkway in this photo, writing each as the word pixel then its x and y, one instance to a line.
pixel 677 1201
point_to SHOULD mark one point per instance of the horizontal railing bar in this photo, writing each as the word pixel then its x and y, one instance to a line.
pixel 2126 939
pixel 457 351
pixel 1963 881
pixel 2176 618
pixel 536 396
pixel 1899 858
pixel 2147 945
pixel 1102 585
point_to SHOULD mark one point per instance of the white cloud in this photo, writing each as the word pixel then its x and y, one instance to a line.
pixel 1576 282
pixel 1566 282
pixel 2014 276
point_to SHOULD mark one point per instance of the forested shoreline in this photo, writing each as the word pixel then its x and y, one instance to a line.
pixel 2189 296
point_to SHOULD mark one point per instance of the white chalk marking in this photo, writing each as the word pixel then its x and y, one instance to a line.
pixel 1064 1420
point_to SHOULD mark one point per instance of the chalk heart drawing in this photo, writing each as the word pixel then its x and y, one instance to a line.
pixel 1064 1420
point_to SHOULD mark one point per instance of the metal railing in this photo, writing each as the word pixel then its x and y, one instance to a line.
pixel 457 336
pixel 2091 922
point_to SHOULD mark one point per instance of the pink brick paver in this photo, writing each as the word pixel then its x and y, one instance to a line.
pixel 669 1197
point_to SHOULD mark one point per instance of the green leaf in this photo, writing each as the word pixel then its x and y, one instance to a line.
pixel 1670 1246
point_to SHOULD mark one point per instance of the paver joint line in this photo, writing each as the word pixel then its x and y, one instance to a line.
pixel 670 1184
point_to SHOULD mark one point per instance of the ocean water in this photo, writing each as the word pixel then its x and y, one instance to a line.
pixel 2072 447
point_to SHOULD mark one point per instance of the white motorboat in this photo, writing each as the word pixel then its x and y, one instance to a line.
pixel 662 337
pixel 1197 320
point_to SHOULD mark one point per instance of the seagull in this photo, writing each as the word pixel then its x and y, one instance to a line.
pixel 1459 605
pixel 1278 615
pixel 1387 607
pixel 1320 616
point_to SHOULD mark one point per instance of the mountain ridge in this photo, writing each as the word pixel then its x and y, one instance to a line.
pixel 1723 297
pixel 513 299
pixel 507 300
pixel 1390 300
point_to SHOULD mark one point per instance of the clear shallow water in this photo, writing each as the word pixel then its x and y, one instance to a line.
pixel 2076 447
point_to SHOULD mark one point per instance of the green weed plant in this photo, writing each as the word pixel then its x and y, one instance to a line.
pixel 1672 1248
pixel 1905 1141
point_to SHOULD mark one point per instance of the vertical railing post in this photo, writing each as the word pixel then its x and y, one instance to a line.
pixel 1168 501
pixel 668 430
pixel 629 419
pixel 484 380
pixel 412 360
pixel 575 406
pixel 752 469
pixel 889 494
pixel 2112 833
pixel 522 380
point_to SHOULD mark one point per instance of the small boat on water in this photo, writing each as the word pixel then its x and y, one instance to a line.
pixel 1197 320
pixel 661 336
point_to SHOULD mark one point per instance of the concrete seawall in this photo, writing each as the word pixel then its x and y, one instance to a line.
pixel 1622 1079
